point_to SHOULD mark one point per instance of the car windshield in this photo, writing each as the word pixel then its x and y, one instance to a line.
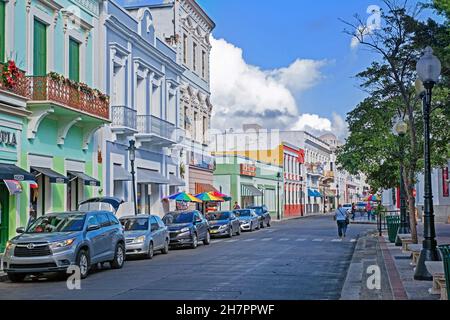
pixel 215 216
pixel 135 224
pixel 180 217
pixel 243 213
pixel 258 210
pixel 60 223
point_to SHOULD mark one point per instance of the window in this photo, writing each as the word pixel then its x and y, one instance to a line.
pixel 103 220
pixel 74 60
pixel 186 117
pixel 113 219
pixel 195 125
pixel 154 224
pixel 185 47
pixel 194 56
pixel 203 64
pixel 205 129
pixel 92 221
pixel 160 223
pixel 40 49
pixel 2 31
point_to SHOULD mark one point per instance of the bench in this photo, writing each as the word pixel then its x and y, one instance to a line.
pixel 415 249
pixel 436 268
pixel 406 240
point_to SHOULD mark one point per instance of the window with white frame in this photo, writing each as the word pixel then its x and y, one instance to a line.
pixel 156 99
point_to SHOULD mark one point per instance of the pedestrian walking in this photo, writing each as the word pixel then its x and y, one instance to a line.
pixel 236 206
pixel 353 211
pixel 369 211
pixel 342 219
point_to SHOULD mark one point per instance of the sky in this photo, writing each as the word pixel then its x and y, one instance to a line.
pixel 285 64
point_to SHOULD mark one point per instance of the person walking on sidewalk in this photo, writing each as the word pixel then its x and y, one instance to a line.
pixel 342 219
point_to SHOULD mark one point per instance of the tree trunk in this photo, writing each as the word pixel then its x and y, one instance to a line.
pixel 412 206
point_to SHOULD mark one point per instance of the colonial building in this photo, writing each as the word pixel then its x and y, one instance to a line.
pixel 185 26
pixel 57 107
pixel 143 78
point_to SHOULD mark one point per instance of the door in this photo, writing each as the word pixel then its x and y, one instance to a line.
pixel 4 210
pixel 74 60
pixel 157 235
pixel 200 224
pixel 234 222
pixel 107 245
pixel 40 49
pixel 95 239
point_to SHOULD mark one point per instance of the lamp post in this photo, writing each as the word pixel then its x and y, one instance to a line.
pixel 132 155
pixel 337 195
pixel 428 69
pixel 278 196
pixel 401 128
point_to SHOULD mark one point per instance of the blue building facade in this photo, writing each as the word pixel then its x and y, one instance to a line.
pixel 142 78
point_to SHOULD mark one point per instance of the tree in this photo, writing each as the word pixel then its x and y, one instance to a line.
pixel 371 147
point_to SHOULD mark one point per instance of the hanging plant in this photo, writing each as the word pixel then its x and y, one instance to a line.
pixel 11 74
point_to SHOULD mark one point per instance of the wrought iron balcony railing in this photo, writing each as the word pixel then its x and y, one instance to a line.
pixel 124 117
pixel 65 93
pixel 20 87
pixel 154 125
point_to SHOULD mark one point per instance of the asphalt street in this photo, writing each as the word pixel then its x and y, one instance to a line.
pixel 298 259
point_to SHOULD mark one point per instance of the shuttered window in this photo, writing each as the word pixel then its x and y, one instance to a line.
pixel 2 31
pixel 40 49
pixel 74 60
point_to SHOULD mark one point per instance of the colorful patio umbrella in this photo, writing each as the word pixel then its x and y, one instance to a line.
pixel 372 198
pixel 220 195
pixel 184 197
pixel 208 197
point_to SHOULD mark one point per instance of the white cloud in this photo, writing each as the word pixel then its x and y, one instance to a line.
pixel 243 93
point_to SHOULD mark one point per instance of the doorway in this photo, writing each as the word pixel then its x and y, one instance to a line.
pixel 4 212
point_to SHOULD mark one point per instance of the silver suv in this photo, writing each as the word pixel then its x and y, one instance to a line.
pixel 55 241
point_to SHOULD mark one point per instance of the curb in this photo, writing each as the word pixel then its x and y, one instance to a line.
pixel 352 282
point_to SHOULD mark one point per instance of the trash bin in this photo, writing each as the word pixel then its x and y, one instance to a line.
pixel 445 251
pixel 393 224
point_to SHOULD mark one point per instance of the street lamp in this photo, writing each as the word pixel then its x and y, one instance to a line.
pixel 132 155
pixel 401 129
pixel 278 196
pixel 428 69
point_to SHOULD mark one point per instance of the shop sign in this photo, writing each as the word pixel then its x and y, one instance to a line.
pixel 248 170
pixel 8 138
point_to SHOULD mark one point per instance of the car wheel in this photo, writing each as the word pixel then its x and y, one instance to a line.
pixel 16 277
pixel 261 226
pixel 251 227
pixel 84 263
pixel 238 232
pixel 119 257
pixel 150 251
pixel 207 240
pixel 230 232
pixel 194 241
pixel 165 250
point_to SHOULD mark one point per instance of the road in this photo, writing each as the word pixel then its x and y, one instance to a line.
pixel 293 260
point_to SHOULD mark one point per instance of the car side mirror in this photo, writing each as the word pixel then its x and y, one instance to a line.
pixel 20 230
pixel 93 227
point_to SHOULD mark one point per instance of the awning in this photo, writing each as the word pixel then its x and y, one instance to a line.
pixel 12 172
pixel 311 193
pixel 147 177
pixel 88 181
pixel 250 191
pixel 317 194
pixel 13 186
pixel 55 177
pixel 175 181
pixel 204 187
pixel 120 174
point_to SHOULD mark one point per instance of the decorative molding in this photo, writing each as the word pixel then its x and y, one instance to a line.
pixel 88 132
pixel 38 114
pixel 64 125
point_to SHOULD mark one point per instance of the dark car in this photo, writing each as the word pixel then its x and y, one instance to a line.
pixel 263 214
pixel 187 228
pixel 55 241
pixel 248 219
pixel 224 223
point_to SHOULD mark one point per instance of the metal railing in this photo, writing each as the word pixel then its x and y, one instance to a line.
pixel 124 117
pixel 152 124
pixel 45 88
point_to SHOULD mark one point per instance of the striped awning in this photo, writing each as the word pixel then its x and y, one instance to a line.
pixel 250 191
pixel 204 187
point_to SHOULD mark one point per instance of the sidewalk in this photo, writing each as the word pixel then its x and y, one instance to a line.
pixel 397 275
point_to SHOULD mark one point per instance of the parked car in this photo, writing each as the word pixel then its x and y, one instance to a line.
pixel 145 234
pixel 224 223
pixel 55 241
pixel 264 215
pixel 248 219
pixel 347 207
pixel 361 207
pixel 187 228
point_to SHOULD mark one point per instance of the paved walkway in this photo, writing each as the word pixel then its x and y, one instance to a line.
pixel 396 273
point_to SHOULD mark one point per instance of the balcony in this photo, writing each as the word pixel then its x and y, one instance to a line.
pixel 123 120
pixel 18 90
pixel 156 131
pixel 70 95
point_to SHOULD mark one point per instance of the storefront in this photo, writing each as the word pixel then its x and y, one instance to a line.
pixel 249 183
